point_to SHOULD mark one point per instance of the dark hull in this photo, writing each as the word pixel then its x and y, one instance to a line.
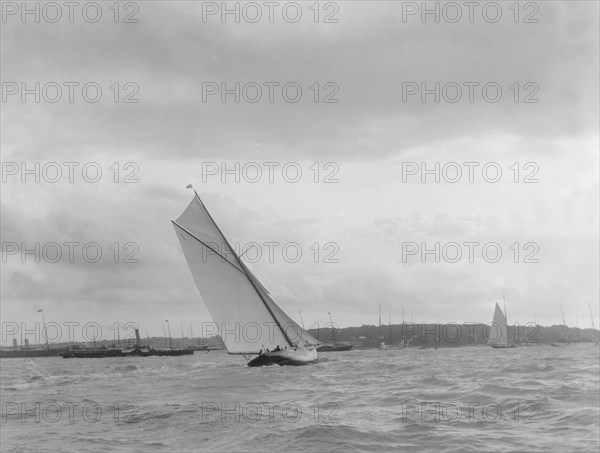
pixel 168 352
pixel 93 354
pixel 203 348
pixel 34 353
pixel 558 344
pixel 503 346
pixel 263 360
pixel 288 357
pixel 331 348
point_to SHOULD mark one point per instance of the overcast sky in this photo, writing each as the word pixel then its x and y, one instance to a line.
pixel 369 146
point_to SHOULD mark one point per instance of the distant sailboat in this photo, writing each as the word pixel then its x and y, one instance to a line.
pixel 500 326
pixel 382 345
pixel 593 328
pixel 334 346
pixel 390 327
pixel 404 343
pixel 399 345
pixel 249 321
pixel 566 338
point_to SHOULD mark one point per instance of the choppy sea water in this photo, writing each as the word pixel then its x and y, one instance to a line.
pixel 466 399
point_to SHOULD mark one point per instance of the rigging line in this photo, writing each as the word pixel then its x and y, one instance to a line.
pixel 247 250
pixel 272 290
pixel 246 271
pixel 206 245
pixel 299 332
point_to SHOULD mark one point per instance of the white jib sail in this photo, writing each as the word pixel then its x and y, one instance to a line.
pixel 499 330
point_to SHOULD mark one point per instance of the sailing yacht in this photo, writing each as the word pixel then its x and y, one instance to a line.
pixel 249 321
pixel 566 338
pixel 593 328
pixel 501 339
pixel 382 345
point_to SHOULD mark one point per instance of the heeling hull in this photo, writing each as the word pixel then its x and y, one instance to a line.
pixel 286 357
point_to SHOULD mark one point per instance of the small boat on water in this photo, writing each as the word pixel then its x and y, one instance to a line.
pixel 566 339
pixel 499 325
pixel 593 328
pixel 249 321
pixel 382 345
pixel 334 346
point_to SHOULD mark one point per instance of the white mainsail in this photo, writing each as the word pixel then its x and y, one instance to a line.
pixel 499 334
pixel 247 318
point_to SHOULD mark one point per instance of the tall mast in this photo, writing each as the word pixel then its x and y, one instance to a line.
pixel 591 316
pixel 564 322
pixel 505 317
pixel 563 313
pixel 45 331
pixel 403 335
pixel 332 328
pixel 169 330
pixel 390 324
pixel 379 322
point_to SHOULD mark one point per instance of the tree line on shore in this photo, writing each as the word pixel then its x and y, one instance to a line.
pixel 451 334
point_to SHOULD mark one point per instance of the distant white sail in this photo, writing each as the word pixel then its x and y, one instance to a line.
pixel 247 317
pixel 499 330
